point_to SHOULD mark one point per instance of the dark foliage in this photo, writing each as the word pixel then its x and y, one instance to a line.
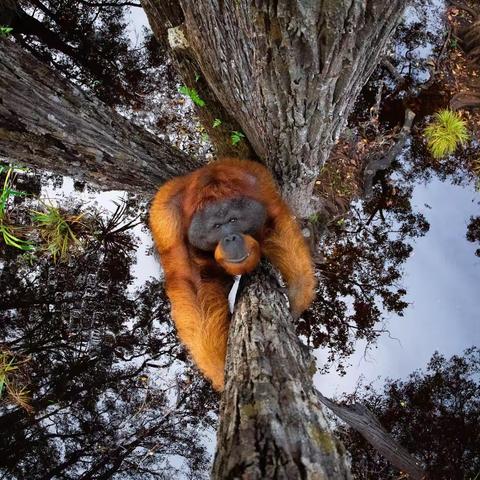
pixel 473 232
pixel 435 414
pixel 89 43
pixel 104 400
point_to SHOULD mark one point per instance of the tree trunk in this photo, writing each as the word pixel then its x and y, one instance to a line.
pixel 271 422
pixel 49 123
pixel 288 72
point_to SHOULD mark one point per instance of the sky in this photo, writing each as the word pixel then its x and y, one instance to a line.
pixel 442 278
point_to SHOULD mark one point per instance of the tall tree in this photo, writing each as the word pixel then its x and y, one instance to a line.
pixel 287 75
pixel 44 118
pixel 89 42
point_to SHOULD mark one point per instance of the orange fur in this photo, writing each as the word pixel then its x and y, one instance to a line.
pixel 198 286
pixel 247 265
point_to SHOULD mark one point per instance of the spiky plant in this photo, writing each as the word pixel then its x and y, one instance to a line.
pixel 111 231
pixel 11 377
pixel 445 133
pixel 19 395
pixel 8 232
pixel 7 367
pixel 57 229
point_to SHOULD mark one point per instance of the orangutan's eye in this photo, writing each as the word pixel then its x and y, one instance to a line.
pixel 217 226
pixel 233 220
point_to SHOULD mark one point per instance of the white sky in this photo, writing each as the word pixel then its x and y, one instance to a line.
pixel 442 279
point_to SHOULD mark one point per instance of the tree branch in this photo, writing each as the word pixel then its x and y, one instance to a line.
pixel 26 24
pixel 393 71
pixel 465 100
pixel 49 123
pixel 379 164
pixel 364 422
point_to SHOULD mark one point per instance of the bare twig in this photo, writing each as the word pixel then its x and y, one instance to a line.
pixel 383 163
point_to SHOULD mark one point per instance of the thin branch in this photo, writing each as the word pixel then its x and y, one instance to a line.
pixel 393 71
pixel 110 4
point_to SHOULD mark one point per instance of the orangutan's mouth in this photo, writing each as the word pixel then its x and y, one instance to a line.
pixel 239 260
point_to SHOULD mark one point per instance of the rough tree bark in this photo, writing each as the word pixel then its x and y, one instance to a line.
pixel 48 123
pixel 272 423
pixel 288 72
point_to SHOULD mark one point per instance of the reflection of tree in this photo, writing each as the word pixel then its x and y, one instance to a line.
pixel 88 42
pixel 473 232
pixel 361 270
pixel 434 414
pixel 99 374
pixel 419 166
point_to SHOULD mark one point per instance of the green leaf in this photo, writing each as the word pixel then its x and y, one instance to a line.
pixel 216 123
pixel 236 137
pixel 5 31
pixel 192 94
pixel 17 193
pixel 13 241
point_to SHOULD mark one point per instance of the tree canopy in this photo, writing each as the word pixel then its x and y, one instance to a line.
pixel 434 413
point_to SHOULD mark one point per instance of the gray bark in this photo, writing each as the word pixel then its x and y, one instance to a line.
pixel 49 123
pixel 271 421
pixel 287 71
